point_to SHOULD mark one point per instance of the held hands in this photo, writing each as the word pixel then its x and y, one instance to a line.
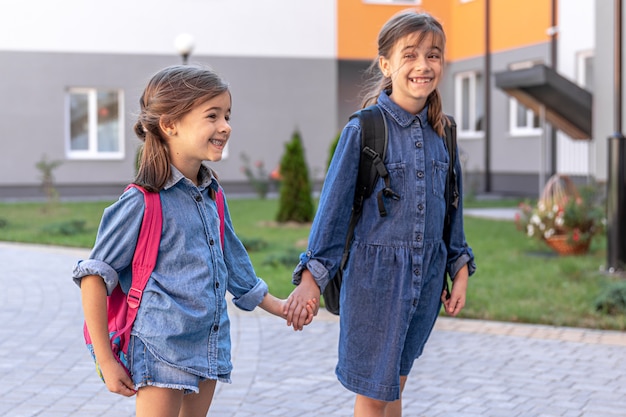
pixel 456 301
pixel 303 301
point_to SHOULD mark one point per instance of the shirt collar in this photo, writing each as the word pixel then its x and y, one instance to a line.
pixel 403 117
pixel 207 179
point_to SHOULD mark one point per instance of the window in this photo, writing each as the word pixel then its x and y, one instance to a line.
pixel 95 124
pixel 468 99
pixel 584 64
pixel 522 121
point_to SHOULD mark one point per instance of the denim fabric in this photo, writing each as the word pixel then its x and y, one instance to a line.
pixel 393 278
pixel 148 370
pixel 182 318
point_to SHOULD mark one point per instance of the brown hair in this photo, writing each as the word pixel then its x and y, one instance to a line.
pixel 403 24
pixel 169 95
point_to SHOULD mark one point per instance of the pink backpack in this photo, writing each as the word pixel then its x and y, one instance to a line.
pixel 122 308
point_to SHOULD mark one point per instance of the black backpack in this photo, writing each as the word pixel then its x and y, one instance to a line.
pixel 371 167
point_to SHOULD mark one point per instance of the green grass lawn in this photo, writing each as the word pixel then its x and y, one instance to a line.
pixel 518 279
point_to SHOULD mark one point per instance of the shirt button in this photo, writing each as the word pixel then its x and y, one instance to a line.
pixel 198 198
pixel 420 174
pixel 420 206
pixel 217 285
pixel 216 328
pixel 211 242
pixel 416 271
pixel 419 145
pixel 419 237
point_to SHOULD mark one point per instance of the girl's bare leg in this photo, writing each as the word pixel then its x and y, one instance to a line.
pixel 197 405
pixel 394 409
pixel 369 407
pixel 158 402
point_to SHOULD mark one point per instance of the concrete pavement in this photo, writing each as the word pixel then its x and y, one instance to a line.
pixel 470 368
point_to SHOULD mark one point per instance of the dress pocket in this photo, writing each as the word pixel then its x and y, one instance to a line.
pixel 440 174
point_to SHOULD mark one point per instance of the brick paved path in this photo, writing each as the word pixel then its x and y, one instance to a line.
pixel 469 368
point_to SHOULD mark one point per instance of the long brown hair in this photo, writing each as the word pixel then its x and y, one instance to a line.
pixel 403 24
pixel 169 95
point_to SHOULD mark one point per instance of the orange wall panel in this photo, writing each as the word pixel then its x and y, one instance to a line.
pixel 514 24
pixel 359 24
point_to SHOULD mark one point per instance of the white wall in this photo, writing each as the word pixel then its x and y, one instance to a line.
pixel 576 22
pixel 276 28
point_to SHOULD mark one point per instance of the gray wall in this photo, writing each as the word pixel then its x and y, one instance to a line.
pixel 515 160
pixel 271 98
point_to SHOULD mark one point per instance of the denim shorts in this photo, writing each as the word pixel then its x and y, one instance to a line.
pixel 148 370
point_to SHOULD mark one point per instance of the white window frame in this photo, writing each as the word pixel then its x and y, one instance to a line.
pixel 471 76
pixel 92 152
pixel 581 75
pixel 526 128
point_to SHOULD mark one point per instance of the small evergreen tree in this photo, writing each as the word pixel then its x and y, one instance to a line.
pixel 296 202
pixel 331 150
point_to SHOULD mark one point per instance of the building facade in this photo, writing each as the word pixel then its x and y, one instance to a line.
pixel 72 73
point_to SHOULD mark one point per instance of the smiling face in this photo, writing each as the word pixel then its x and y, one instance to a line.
pixel 415 67
pixel 200 135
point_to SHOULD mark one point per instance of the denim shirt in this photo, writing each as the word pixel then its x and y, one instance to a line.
pixel 408 242
pixel 182 318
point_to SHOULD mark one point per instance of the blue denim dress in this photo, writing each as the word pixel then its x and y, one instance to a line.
pixel 393 280
pixel 182 319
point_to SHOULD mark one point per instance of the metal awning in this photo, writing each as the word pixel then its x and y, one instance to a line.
pixel 567 105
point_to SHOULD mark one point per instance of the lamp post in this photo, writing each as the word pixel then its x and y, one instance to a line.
pixel 184 44
pixel 616 192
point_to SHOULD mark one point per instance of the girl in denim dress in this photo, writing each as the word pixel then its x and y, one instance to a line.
pixel 393 285
pixel 180 340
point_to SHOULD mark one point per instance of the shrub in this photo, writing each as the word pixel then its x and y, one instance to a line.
pixel 612 300
pixel 67 228
pixel 253 244
pixel 296 202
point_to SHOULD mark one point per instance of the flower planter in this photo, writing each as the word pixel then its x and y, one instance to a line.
pixel 561 245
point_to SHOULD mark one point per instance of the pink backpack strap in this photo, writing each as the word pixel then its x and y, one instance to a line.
pixel 219 202
pixel 146 251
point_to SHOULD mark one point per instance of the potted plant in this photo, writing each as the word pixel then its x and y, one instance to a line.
pixel 565 217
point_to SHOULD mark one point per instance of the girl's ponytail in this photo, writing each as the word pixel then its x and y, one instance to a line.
pixel 154 165
pixel 436 117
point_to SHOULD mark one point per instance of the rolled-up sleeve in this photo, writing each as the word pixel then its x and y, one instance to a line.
pixel 112 254
pixel 247 289
pixel 459 252
pixel 251 299
pixel 96 267
pixel 330 226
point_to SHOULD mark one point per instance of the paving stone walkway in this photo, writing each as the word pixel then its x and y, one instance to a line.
pixel 470 368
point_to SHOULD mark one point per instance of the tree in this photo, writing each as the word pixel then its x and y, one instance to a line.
pixel 296 202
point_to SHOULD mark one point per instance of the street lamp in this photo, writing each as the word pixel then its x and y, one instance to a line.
pixel 184 44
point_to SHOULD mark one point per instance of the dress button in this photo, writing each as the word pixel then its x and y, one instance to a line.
pixel 420 206
pixel 198 198
pixel 419 144
pixel 216 328
pixel 211 242
pixel 217 285
pixel 419 237
pixel 420 174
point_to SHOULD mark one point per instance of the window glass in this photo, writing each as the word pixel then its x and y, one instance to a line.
pixel 95 124
pixel 108 123
pixel 469 103
pixel 79 121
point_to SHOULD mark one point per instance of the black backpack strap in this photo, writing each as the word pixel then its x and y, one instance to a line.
pixel 373 151
pixel 452 190
pixel 371 167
